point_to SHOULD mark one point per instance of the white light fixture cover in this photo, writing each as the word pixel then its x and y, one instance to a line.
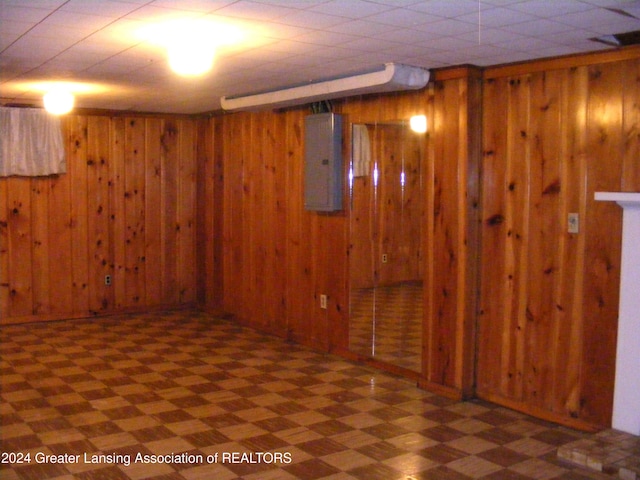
pixel 391 77
pixel 58 101
pixel 418 123
pixel 190 60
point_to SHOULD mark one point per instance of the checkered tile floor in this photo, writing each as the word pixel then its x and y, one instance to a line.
pixel 386 324
pixel 173 396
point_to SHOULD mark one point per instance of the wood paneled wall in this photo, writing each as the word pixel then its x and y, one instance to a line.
pixel 277 258
pixel 553 135
pixel 184 210
pixel 126 207
pixel 452 231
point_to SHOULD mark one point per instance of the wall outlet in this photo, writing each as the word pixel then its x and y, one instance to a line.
pixel 573 223
pixel 107 280
pixel 323 301
pixel 385 258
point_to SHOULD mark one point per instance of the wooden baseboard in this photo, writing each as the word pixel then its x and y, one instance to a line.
pixel 541 413
pixel 54 317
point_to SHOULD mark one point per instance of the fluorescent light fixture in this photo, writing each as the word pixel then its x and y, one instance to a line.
pixel 388 78
pixel 58 101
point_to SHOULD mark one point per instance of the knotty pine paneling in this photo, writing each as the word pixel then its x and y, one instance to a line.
pixel 126 207
pixel 277 258
pixel 549 299
pixel 451 245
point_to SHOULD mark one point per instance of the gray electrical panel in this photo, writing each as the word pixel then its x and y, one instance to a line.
pixel 323 162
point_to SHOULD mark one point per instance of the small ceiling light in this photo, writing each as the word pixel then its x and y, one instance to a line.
pixel 418 123
pixel 58 101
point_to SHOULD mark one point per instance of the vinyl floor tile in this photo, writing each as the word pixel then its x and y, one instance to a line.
pixel 244 406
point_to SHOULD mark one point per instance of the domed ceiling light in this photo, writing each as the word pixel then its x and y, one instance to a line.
pixel 190 60
pixel 191 43
pixel 58 101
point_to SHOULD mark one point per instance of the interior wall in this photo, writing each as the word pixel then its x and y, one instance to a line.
pixel 181 210
pixel 554 134
pixel 277 259
pixel 126 208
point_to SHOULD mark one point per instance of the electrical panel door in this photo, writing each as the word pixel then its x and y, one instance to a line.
pixel 323 162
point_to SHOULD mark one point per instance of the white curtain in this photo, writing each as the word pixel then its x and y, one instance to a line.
pixel 361 150
pixel 30 143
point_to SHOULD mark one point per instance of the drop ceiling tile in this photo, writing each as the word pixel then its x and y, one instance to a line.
pixel 622 4
pixel 402 52
pixel 397 3
pixel 287 48
pixel 446 8
pixel 494 36
pixel 362 28
pixel 497 17
pixel 103 8
pixel 311 20
pixel 32 47
pixel 449 27
pixel 452 44
pixel 11 31
pixel 571 36
pixel 331 53
pixel 404 17
pixel 108 71
pixel 511 57
pixel 53 34
pixel 410 37
pixel 303 61
pixel 547 9
pixel 299 4
pixel 153 13
pixel 621 25
pixel 21 13
pixel 201 6
pixel 355 9
pixel 78 21
pixel 540 27
pixel 256 11
pixel 590 19
pixel 449 57
pixel 317 37
pixel 282 31
pixel 559 50
pixel 528 44
pixel 257 56
pixel 368 45
pixel 45 4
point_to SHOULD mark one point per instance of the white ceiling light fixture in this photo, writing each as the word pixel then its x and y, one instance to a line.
pixel 388 78
pixel 58 101
pixel 418 123
pixel 191 43
pixel 190 48
pixel 190 59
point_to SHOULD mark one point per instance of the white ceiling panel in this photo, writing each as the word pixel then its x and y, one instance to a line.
pixel 286 42
pixel 353 9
